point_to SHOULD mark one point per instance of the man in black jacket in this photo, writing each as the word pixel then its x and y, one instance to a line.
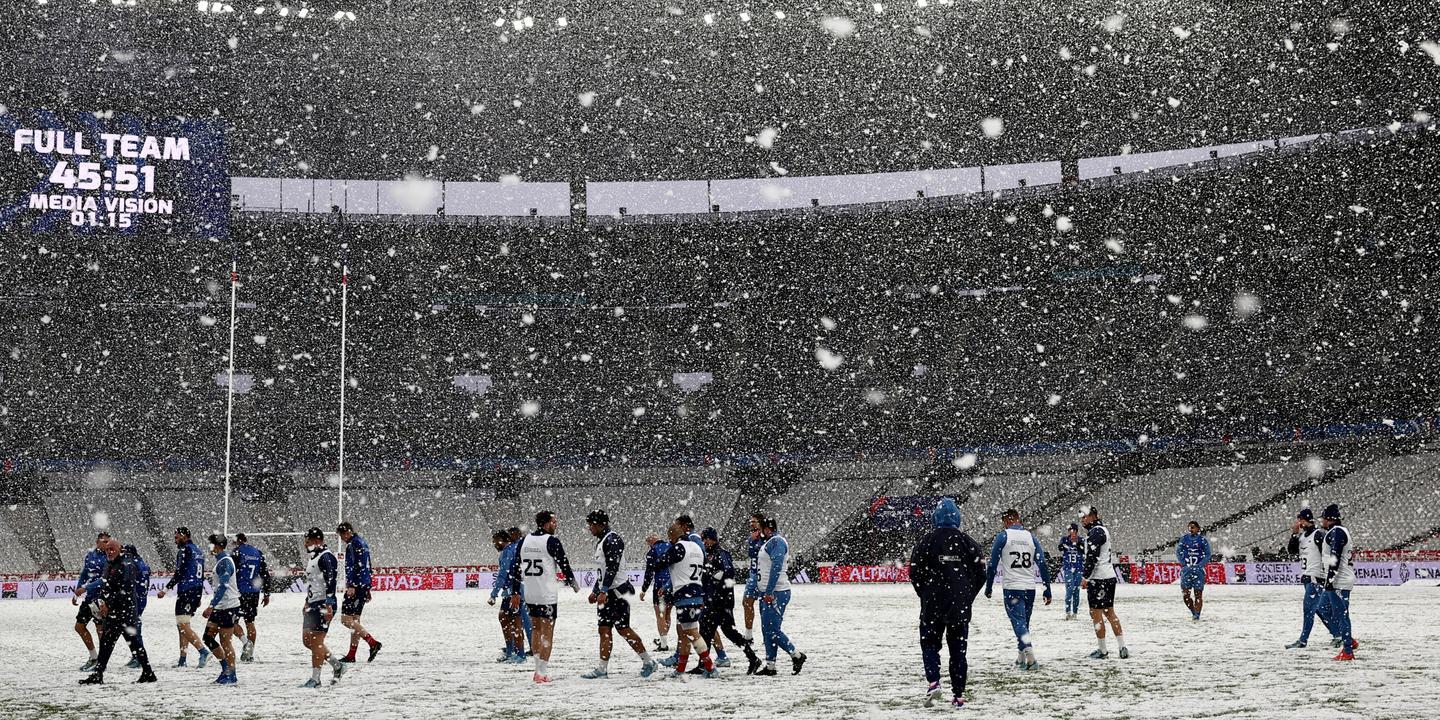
pixel 118 611
pixel 718 615
pixel 947 570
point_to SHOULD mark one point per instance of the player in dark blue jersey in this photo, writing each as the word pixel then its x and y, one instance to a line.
pixel 253 578
pixel 657 579
pixel 142 594
pixel 1192 551
pixel 1072 569
pixel 189 585
pixel 357 591
pixel 92 566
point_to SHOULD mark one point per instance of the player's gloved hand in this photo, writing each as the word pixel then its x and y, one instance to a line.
pixel 265 601
pixel 75 599
pixel 492 601
pixel 1047 597
pixel 592 597
pixel 160 594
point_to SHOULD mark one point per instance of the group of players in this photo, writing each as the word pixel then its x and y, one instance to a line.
pixel 688 573
pixel 114 584
pixel 947 570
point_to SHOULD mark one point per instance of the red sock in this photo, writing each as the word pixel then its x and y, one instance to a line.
pixel 706 662
pixel 369 640
pixel 680 666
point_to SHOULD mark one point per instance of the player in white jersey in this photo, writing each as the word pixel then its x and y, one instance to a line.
pixel 541 558
pixel 686 560
pixel 1019 553
pixel 1099 583
pixel 1305 542
pixel 611 597
pixel 319 610
pixel 224 611
pixel 1338 560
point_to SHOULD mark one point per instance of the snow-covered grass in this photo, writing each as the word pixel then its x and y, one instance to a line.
pixel 864 664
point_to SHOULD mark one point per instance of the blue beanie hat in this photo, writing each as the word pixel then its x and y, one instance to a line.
pixel 1306 515
pixel 1332 512
pixel 947 514
pixel 709 533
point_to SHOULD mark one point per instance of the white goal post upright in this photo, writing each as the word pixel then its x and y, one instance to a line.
pixel 344 298
pixel 230 395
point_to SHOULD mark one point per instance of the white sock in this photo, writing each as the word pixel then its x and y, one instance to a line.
pixel 542 666
pixel 315 674
pixel 603 666
pixel 748 635
pixel 94 654
pixel 645 657
pixel 1102 645
pixel 770 664
pixel 1120 641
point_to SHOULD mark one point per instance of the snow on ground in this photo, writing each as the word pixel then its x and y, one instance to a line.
pixel 865 663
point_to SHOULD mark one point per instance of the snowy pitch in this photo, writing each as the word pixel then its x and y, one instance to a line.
pixel 864 663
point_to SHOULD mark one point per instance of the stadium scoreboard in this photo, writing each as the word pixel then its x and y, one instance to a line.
pixel 93 174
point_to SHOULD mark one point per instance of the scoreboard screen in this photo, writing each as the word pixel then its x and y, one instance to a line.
pixel 113 174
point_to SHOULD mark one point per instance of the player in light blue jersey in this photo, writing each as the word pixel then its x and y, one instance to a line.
pixel 1193 553
pixel 510 625
pixel 774 562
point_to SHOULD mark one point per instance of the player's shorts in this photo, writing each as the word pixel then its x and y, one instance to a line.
pixel 662 597
pixel 506 608
pixel 543 612
pixel 1192 578
pixel 1100 594
pixel 249 606
pixel 85 615
pixel 688 614
pixel 354 605
pixel 188 601
pixel 315 618
pixel 614 613
pixel 752 588
pixel 224 619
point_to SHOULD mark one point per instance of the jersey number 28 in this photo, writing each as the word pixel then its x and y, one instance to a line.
pixel 1020 560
